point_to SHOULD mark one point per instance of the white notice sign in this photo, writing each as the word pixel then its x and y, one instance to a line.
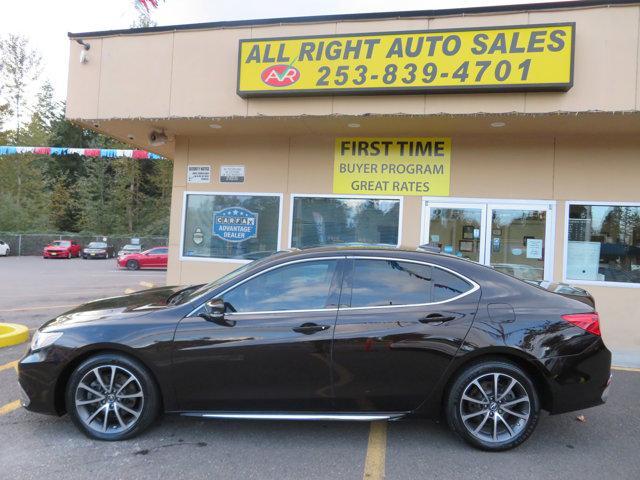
pixel 583 260
pixel 534 248
pixel 232 174
pixel 198 173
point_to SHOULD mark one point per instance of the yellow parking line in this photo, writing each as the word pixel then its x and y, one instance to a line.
pixel 626 369
pixel 376 451
pixel 37 308
pixel 129 290
pixel 9 407
pixel 147 284
pixel 9 365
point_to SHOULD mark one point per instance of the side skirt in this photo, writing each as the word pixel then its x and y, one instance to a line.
pixel 349 417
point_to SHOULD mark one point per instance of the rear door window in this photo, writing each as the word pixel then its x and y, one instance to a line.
pixel 446 285
pixel 390 282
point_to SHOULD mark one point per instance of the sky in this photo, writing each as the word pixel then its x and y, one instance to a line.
pixel 47 22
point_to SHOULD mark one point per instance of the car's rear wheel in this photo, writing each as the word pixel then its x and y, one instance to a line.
pixel 132 265
pixel 112 397
pixel 493 405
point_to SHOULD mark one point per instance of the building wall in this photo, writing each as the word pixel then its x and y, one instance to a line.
pixel 496 167
pixel 193 73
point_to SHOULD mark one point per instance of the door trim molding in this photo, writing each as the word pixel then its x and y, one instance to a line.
pixel 349 417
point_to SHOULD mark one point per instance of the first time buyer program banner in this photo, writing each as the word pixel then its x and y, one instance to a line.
pixel 392 166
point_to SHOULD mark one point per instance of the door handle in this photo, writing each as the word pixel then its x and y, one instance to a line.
pixel 437 318
pixel 309 328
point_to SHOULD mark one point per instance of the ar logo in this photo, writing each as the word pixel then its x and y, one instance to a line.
pixel 280 75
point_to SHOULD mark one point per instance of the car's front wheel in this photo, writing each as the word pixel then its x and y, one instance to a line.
pixel 132 265
pixel 493 405
pixel 112 397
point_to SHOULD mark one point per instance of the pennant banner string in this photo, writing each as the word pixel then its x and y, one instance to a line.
pixel 87 152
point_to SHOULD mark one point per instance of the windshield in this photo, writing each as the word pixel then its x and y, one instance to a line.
pixel 61 243
pixel 131 247
pixel 97 245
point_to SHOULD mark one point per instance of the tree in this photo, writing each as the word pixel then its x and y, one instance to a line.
pixel 46 111
pixel 64 215
pixel 20 68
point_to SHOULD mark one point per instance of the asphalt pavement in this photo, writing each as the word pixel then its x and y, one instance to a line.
pixel 603 443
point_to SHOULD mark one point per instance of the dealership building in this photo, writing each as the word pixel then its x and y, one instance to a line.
pixel 507 135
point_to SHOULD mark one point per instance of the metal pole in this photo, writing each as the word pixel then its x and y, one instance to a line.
pixel 19 245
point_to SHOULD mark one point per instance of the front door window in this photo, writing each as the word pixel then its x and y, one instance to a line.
pixel 517 242
pixel 457 230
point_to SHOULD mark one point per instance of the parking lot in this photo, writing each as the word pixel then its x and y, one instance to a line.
pixel 33 290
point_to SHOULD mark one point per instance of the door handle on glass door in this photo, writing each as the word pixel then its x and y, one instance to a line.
pixel 309 328
pixel 437 318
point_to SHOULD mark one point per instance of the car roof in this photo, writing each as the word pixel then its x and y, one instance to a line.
pixel 357 250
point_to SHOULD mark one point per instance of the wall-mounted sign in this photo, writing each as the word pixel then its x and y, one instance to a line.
pixel 232 174
pixel 198 173
pixel 512 58
pixel 392 166
pixel 235 224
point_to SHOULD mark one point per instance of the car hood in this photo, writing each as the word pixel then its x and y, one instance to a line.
pixel 121 308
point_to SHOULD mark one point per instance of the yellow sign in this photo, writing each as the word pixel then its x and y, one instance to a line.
pixel 392 166
pixel 515 58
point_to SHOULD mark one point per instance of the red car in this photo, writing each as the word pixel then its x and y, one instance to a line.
pixel 62 249
pixel 155 257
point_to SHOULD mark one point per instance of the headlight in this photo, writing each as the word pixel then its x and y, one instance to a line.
pixel 44 339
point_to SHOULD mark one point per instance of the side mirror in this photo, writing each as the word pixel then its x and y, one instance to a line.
pixel 214 311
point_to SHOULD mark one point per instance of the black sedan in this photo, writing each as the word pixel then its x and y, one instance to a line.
pixel 98 250
pixel 328 334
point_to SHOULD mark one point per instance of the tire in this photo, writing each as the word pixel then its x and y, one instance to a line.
pixel 491 424
pixel 69 255
pixel 132 265
pixel 119 413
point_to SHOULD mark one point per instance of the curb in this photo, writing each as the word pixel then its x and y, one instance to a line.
pixel 13 334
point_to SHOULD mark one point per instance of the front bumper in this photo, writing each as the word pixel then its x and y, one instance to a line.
pixel 38 375
pixel 56 254
pixel 95 255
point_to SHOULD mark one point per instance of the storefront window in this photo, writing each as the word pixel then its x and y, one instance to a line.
pixel 333 220
pixel 243 227
pixel 604 243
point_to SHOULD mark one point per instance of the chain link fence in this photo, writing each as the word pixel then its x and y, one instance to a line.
pixel 33 243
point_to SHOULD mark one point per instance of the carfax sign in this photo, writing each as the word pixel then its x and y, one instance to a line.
pixel 392 166
pixel 513 58
pixel 235 224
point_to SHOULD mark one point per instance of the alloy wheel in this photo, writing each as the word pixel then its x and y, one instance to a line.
pixel 109 399
pixel 495 407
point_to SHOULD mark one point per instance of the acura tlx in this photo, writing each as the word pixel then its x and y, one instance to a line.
pixel 333 333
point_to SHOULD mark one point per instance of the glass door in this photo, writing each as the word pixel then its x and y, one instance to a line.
pixel 517 238
pixel 514 238
pixel 458 229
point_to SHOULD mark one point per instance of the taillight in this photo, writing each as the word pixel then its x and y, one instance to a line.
pixel 586 321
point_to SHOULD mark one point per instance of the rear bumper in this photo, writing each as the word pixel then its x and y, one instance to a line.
pixel 579 381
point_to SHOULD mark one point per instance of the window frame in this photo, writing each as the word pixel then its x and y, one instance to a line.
pixel 474 286
pixel 293 196
pixel 596 283
pixel 183 219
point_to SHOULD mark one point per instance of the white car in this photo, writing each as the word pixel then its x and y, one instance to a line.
pixel 4 249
